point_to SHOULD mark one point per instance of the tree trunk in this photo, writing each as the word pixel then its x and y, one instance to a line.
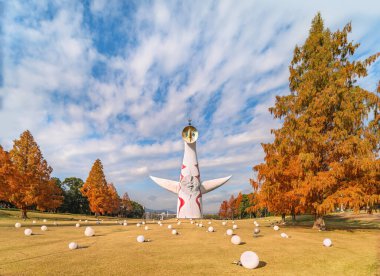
pixel 370 210
pixel 293 218
pixel 24 215
pixel 283 218
pixel 319 223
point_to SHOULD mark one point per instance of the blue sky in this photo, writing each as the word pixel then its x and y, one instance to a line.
pixel 117 80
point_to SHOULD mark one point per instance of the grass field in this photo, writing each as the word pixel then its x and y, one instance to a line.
pixel 114 250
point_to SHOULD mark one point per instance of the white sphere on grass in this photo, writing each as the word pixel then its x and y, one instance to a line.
pixel 234 226
pixel 224 223
pixel 73 245
pixel 44 220
pixel 236 240
pixel 125 224
pixel 174 232
pixel 327 242
pixel 200 225
pixel 146 228
pixel 89 232
pixel 77 225
pixel 28 232
pixel 17 225
pixel 249 259
pixel 276 228
pixel 209 222
pixel 229 232
pixel 179 223
pixel 43 227
pixel 160 224
pixel 34 222
pixel 211 229
pixel 138 224
pixel 284 235
pixel 143 223
pixel 256 231
pixel 192 222
pixel 140 238
pixel 170 226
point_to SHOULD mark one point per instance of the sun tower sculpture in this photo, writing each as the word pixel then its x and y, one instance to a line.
pixel 190 188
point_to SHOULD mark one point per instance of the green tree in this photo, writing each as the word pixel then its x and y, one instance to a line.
pixel 244 205
pixel 74 202
pixel 137 210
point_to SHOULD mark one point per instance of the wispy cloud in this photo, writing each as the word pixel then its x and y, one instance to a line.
pixel 117 80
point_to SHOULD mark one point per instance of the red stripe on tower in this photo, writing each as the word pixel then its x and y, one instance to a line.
pixel 197 201
pixel 182 202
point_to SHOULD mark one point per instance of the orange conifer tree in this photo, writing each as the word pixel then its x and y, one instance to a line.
pixel 113 200
pixel 96 189
pixel 231 207
pixel 126 204
pixel 223 210
pixel 326 152
pixel 237 203
pixel 7 175
pixel 34 186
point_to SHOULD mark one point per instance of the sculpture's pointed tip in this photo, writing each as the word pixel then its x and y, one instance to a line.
pixel 209 185
pixel 165 183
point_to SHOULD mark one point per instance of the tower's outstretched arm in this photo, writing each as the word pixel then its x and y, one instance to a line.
pixel 209 185
pixel 169 185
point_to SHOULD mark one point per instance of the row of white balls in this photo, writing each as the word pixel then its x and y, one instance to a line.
pixel 89 232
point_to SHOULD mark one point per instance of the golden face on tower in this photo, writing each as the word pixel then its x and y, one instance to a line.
pixel 190 134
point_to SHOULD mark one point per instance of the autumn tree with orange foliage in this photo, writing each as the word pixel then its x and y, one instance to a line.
pixel 326 152
pixel 96 189
pixel 113 203
pixel 32 185
pixel 237 203
pixel 102 197
pixel 231 207
pixel 8 175
pixel 126 205
pixel 223 210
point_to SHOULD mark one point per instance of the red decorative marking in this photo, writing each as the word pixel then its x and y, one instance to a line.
pixel 197 201
pixel 183 166
pixel 181 177
pixel 181 203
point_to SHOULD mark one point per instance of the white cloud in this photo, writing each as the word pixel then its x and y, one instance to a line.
pixel 180 59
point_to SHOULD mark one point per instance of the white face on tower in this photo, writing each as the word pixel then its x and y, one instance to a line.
pixel 190 134
pixel 190 185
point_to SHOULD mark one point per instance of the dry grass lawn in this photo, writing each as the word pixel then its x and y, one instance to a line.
pixel 114 250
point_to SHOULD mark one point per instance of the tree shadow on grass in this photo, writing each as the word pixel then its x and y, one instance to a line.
pixel 336 222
